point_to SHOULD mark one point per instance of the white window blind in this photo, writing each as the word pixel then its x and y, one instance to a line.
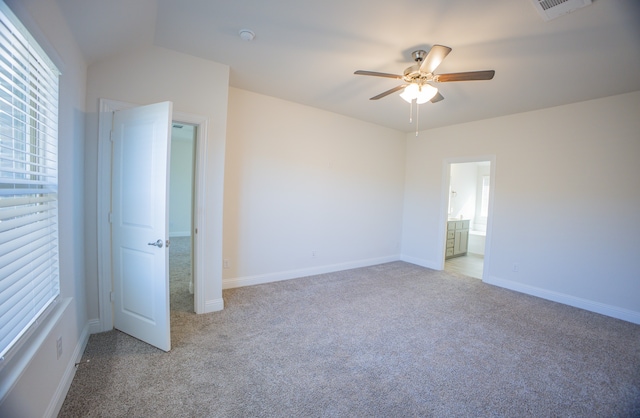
pixel 29 278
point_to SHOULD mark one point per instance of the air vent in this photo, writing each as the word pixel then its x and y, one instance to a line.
pixel 551 9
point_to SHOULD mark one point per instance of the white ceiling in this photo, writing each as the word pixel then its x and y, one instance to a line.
pixel 307 51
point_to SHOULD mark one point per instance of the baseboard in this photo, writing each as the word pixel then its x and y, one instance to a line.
pixel 213 305
pixel 65 383
pixel 294 274
pixel 94 326
pixel 589 305
pixel 422 262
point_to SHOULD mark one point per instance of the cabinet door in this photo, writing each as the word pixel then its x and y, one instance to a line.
pixel 461 242
pixel 464 240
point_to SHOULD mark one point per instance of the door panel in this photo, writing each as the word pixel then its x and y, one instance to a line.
pixel 133 283
pixel 141 140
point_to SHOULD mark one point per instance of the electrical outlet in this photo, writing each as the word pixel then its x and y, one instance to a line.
pixel 515 268
pixel 225 263
pixel 59 347
pixel 313 254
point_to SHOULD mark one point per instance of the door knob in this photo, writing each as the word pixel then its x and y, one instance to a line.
pixel 158 243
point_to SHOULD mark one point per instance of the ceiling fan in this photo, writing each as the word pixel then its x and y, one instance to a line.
pixel 418 76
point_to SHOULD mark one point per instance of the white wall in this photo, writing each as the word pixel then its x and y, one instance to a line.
pixel 565 201
pixel 195 86
pixel 181 180
pixel 463 180
pixel 480 221
pixel 37 379
pixel 300 180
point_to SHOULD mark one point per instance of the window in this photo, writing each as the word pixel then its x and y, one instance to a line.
pixel 29 278
pixel 484 199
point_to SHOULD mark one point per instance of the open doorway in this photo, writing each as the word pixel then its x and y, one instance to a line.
pixel 468 212
pixel 104 186
pixel 181 198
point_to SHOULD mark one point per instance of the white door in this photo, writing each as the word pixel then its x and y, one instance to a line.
pixel 139 225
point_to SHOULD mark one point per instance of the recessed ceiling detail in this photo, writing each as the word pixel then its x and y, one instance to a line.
pixel 307 55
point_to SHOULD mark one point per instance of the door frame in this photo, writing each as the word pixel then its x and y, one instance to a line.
pixel 105 280
pixel 444 206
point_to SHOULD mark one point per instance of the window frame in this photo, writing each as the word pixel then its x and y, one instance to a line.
pixel 37 185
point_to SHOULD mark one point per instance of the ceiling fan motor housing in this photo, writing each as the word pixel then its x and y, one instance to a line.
pixel 419 55
pixel 413 74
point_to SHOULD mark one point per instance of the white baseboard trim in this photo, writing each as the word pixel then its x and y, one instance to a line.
pixel 213 305
pixel 421 262
pixel 294 274
pixel 94 326
pixel 70 371
pixel 589 305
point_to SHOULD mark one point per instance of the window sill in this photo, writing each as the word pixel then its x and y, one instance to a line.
pixel 15 362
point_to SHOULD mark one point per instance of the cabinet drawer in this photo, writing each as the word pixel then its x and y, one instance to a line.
pixel 450 243
pixel 465 224
pixel 449 252
pixel 451 234
pixel 459 224
pixel 451 225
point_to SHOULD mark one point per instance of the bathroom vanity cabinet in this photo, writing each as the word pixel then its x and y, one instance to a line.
pixel 457 238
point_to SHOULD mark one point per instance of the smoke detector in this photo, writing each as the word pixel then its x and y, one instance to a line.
pixel 246 34
pixel 551 9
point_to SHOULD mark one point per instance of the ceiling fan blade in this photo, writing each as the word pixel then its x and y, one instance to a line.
pixel 468 76
pixel 437 98
pixel 388 92
pixel 434 58
pixel 377 74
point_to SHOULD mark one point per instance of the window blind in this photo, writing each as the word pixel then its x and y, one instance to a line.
pixel 29 277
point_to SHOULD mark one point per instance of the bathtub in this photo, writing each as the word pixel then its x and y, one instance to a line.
pixel 476 242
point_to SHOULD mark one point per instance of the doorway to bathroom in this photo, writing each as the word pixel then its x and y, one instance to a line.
pixel 468 216
pixel 181 193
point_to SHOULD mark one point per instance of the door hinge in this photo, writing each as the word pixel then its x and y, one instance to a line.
pixel 111 296
pixel 110 217
pixel 111 135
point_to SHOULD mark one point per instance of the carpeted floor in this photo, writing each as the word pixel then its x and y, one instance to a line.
pixel 393 340
pixel 181 299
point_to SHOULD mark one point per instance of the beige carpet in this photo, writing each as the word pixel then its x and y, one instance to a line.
pixel 393 340
pixel 181 299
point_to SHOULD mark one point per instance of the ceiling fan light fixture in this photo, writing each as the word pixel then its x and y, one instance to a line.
pixel 410 92
pixel 426 93
pixel 421 94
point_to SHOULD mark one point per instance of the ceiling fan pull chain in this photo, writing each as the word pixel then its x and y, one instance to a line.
pixel 411 112
pixel 417 117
